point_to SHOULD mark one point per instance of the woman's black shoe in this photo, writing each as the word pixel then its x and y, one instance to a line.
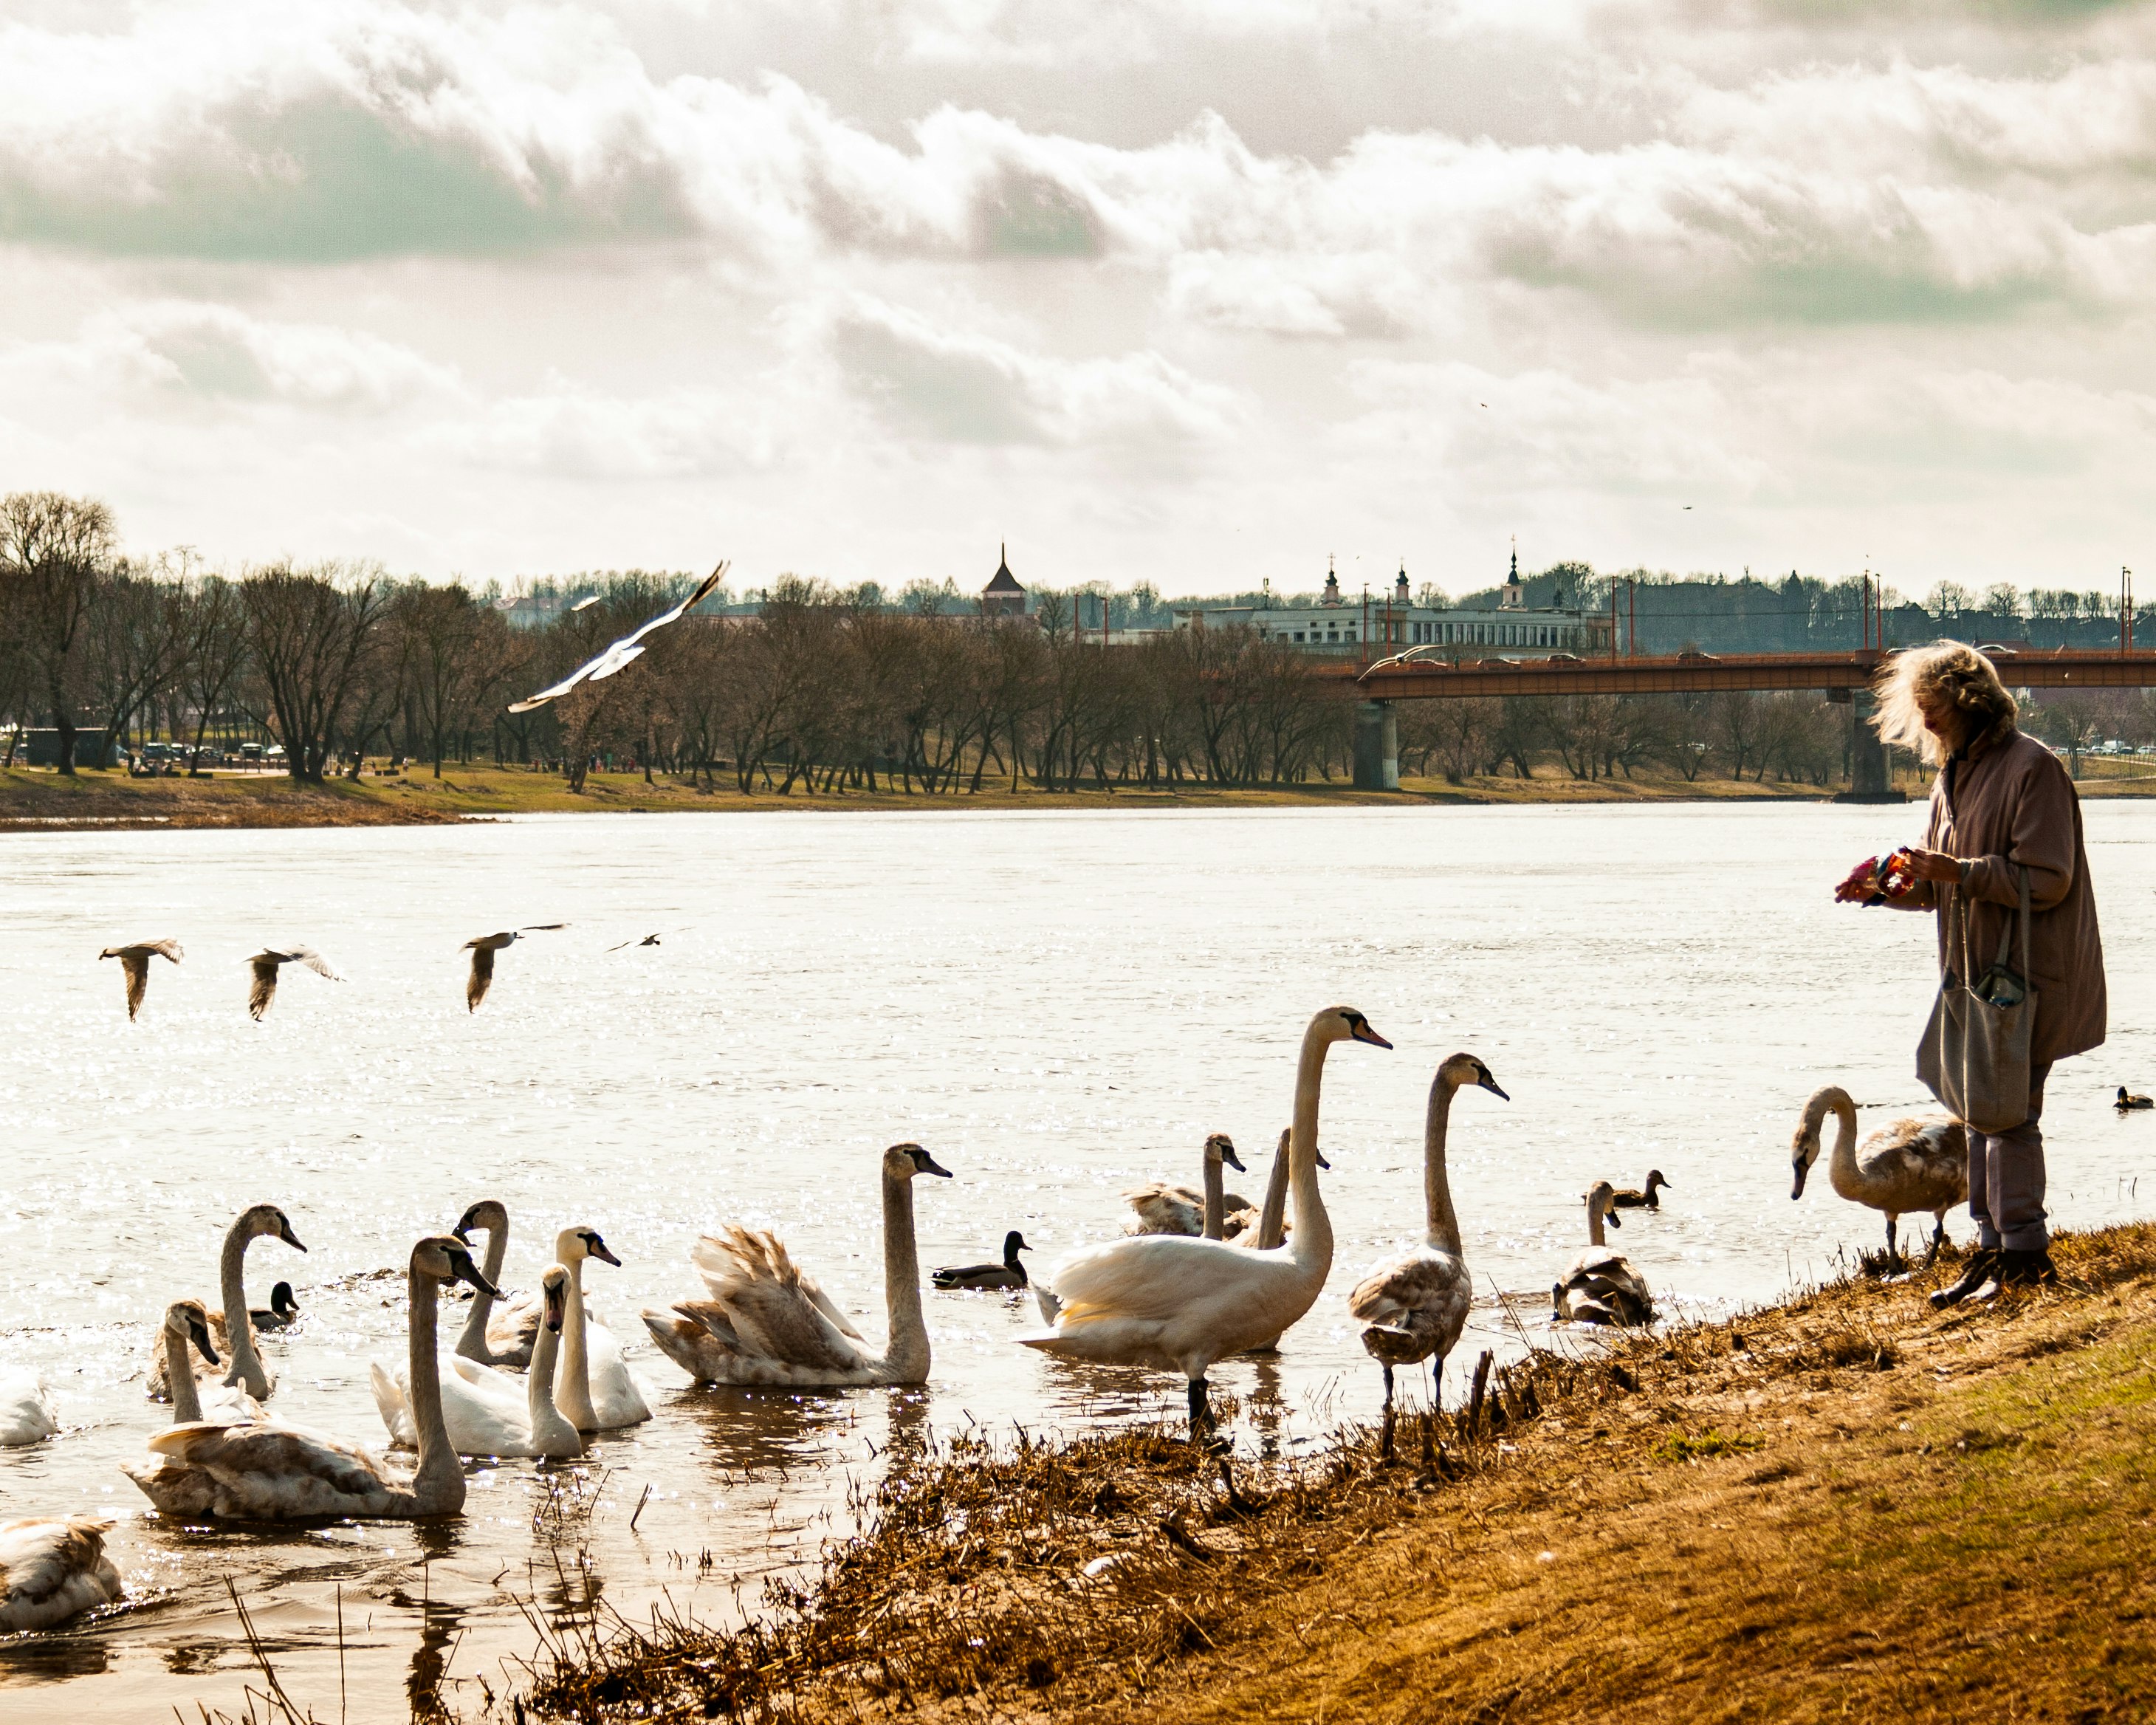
pixel 1983 1265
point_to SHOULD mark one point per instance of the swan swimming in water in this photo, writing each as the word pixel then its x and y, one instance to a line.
pixel 27 1413
pixel 494 1337
pixel 274 1472
pixel 489 1413
pixel 1159 1208
pixel 1913 1167
pixel 1414 1305
pixel 53 1568
pixel 767 1322
pixel 1602 1286
pixel 261 1221
pixel 1179 1304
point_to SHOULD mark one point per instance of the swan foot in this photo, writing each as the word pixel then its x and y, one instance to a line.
pixel 1201 1411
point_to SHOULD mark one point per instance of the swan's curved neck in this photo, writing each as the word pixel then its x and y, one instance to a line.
pixel 547 1424
pixel 472 1343
pixel 1841 1169
pixel 180 1373
pixel 1216 1201
pixel 906 1354
pixel 1313 1228
pixel 1270 1234
pixel 239 1328
pixel 1444 1226
pixel 575 1398
pixel 438 1486
pixel 1595 1234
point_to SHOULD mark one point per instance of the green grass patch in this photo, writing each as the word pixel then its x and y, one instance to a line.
pixel 1705 1445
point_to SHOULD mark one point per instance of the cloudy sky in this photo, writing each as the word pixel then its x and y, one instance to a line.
pixel 1196 293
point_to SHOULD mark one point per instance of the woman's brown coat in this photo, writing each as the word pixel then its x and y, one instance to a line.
pixel 2012 804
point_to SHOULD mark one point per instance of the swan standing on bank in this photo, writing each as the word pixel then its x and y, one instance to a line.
pixel 1603 1286
pixel 489 1413
pixel 1414 1305
pixel 259 1222
pixel 1162 1208
pixel 53 1568
pixel 1179 1304
pixel 262 988
pixel 272 1472
pixel 1911 1167
pixel 767 1320
pixel 134 967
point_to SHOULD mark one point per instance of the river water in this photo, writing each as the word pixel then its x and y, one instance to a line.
pixel 1055 1004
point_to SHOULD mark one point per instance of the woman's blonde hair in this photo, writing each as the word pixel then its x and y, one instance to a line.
pixel 1949 671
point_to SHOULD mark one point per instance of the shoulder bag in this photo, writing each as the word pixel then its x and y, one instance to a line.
pixel 1975 1052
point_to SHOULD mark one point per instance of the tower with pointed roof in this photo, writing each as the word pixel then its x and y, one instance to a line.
pixel 1332 585
pixel 1516 596
pixel 1003 597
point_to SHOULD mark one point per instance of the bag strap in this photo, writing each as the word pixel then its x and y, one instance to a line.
pixel 2006 930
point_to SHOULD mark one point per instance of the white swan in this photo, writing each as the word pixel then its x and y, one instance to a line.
pixel 1179 1304
pixel 274 1472
pixel 1414 1305
pixel 489 1413
pixel 1162 1208
pixel 597 1391
pixel 1912 1166
pixel 27 1413
pixel 53 1568
pixel 260 1221
pixel 1603 1286
pixel 767 1320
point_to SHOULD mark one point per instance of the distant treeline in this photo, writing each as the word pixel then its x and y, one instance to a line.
pixel 801 687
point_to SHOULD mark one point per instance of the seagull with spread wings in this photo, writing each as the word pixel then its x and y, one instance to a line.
pixel 135 962
pixel 263 989
pixel 483 951
pixel 619 654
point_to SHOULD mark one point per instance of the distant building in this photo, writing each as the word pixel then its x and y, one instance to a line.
pixel 1514 629
pixel 1003 597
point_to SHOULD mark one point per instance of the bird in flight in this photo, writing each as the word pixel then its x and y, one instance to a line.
pixel 649 940
pixel 263 989
pixel 483 951
pixel 619 654
pixel 135 962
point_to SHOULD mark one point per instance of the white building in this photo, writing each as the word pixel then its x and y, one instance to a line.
pixel 1395 622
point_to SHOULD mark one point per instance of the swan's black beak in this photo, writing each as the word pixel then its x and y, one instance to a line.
pixel 1612 1218
pixel 284 1233
pixel 1321 1161
pixel 596 1247
pixel 1228 1155
pixel 466 1224
pixel 200 1333
pixel 462 1268
pixel 1495 1088
pixel 1797 1190
pixel 924 1163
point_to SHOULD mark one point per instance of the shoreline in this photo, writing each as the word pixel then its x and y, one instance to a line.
pixel 41 800
pixel 1842 1504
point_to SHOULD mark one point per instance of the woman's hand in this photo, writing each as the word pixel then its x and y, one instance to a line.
pixel 1860 888
pixel 1933 866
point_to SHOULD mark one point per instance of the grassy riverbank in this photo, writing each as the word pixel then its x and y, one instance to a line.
pixel 34 796
pixel 1846 1506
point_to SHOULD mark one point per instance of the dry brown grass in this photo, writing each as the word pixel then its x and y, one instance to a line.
pixel 1846 1503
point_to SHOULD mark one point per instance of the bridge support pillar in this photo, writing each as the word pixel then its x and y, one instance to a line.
pixel 1377 746
pixel 1867 756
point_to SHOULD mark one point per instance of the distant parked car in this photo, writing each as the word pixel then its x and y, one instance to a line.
pixel 1692 655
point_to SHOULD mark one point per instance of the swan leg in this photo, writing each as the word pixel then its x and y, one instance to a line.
pixel 1891 1253
pixel 1385 1438
pixel 1939 1235
pixel 1201 1411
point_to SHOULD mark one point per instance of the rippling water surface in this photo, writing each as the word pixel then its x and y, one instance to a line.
pixel 1056 1004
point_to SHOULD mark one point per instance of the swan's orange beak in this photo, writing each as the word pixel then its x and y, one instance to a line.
pixel 557 1306
pixel 1362 1032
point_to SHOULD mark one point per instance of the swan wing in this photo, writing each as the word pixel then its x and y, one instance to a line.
pixel 1155 1277
pixel 53 1567
pixel 27 1413
pixel 617 1392
pixel 1418 1302
pixel 1162 1208
pixel 773 1308
pixel 268 1451
pixel 394 1406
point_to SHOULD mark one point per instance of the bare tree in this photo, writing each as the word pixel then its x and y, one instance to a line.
pixel 309 640
pixel 53 550
pixel 217 652
pixel 442 630
pixel 134 646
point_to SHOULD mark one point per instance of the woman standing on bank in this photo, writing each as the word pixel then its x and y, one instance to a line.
pixel 2002 804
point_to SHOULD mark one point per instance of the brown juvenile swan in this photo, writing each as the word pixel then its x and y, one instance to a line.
pixel 1602 1286
pixel 1911 1167
pixel 1162 1209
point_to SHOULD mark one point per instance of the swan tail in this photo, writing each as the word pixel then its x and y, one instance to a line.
pixel 1051 1309
pixel 1394 1346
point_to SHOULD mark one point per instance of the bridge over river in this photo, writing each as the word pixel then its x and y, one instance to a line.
pixel 1846 677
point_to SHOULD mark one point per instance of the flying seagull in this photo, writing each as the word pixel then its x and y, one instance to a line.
pixel 263 988
pixel 623 651
pixel 649 940
pixel 483 951
pixel 585 603
pixel 135 961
